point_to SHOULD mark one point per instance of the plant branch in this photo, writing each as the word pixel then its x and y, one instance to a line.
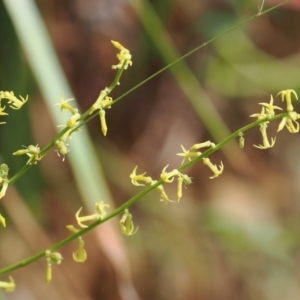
pixel 135 198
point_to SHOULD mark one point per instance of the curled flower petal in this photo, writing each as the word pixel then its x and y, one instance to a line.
pixel 126 224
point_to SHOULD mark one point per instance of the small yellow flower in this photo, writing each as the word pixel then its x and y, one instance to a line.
pixel 102 100
pixel 263 126
pixel 52 257
pixel 181 178
pixel 107 102
pixel 100 213
pixel 123 56
pixel 64 105
pixel 80 254
pixel 168 176
pixel 14 102
pixel 163 195
pixel 266 143
pixel 213 167
pixel 188 155
pixel 62 148
pixel 287 96
pixel 126 224
pixel 73 121
pixel 136 178
pixel 100 209
pixel 270 108
pixel 241 140
pixel 103 121
pixel 8 286
pixel 288 122
pixel 33 152
pixel 262 115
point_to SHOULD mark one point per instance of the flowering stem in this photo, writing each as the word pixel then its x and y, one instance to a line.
pixel 85 116
pixel 135 198
pixel 61 133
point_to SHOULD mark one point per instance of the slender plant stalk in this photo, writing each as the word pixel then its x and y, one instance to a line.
pixel 85 118
pixel 198 48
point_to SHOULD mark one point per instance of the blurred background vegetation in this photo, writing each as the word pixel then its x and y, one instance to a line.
pixel 234 237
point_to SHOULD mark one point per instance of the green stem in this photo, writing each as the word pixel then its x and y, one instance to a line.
pixel 135 198
pixel 110 88
pixel 199 47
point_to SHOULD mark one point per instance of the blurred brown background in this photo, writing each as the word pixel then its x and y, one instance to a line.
pixel 234 237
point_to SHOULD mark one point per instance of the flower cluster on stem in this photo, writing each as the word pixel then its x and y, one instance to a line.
pixel 33 152
pixel 13 101
pixel 71 124
pixel 268 111
pixel 290 121
pixel 51 257
pixel 190 154
pixel 100 213
pixel 136 180
pixel 104 102
pixel 167 177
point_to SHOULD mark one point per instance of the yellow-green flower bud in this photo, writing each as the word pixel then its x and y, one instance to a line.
pixel 72 228
pixel 287 96
pixel 80 254
pixel 2 221
pixel 48 269
pixel 179 188
pixel 103 121
pixel 126 224
pixel 52 257
pixel 241 140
